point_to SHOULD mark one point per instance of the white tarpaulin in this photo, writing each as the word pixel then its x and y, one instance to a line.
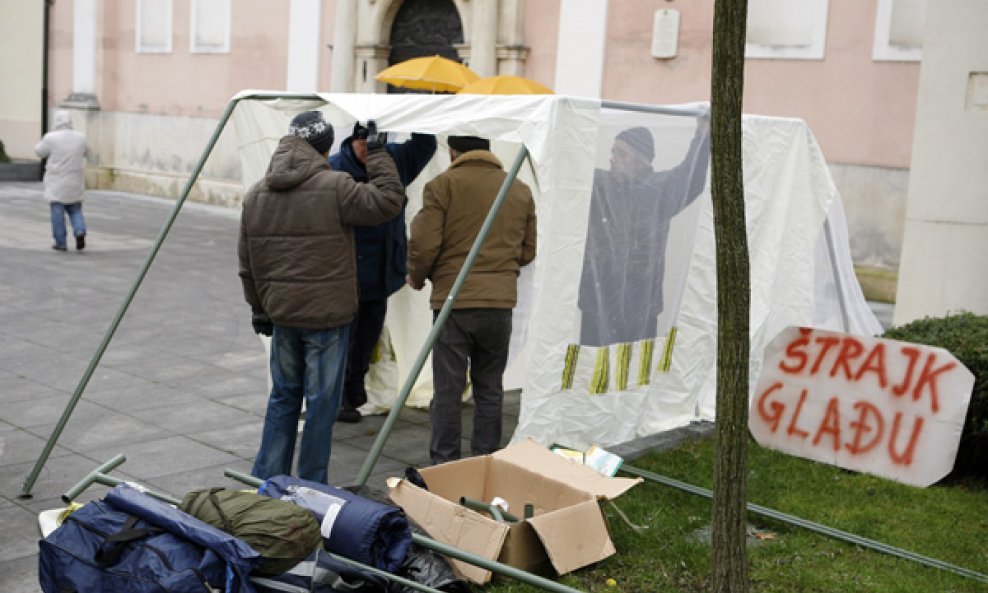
pixel 604 264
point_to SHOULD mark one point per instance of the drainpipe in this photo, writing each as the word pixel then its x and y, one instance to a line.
pixel 44 78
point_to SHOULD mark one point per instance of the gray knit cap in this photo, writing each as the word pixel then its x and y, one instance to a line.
pixel 310 126
pixel 640 139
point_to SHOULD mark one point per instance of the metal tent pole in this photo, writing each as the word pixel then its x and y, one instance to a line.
pixel 815 527
pixel 87 375
pixel 658 109
pixel 437 326
pixel 835 268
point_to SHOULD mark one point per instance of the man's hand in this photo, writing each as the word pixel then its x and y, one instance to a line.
pixel 375 139
pixel 411 282
pixel 262 324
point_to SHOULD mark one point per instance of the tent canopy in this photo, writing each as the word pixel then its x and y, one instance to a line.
pixel 801 272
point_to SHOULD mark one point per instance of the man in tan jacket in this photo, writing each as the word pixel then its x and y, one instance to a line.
pixel 299 275
pixel 478 330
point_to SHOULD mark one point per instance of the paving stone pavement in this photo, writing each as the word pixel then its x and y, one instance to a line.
pixel 181 388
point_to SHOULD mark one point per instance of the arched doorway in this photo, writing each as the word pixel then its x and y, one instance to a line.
pixel 424 28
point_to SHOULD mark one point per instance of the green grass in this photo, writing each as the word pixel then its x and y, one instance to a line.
pixel 944 522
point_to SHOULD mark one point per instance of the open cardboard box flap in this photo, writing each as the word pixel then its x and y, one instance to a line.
pixel 452 524
pixel 574 536
pixel 534 457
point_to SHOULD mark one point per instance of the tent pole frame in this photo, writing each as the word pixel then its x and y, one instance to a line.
pixel 108 336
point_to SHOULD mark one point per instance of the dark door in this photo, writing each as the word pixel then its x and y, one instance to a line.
pixel 424 28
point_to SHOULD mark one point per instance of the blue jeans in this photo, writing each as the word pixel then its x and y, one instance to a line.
pixel 309 364
pixel 58 212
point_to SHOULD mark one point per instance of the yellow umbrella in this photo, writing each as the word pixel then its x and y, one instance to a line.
pixel 432 73
pixel 505 84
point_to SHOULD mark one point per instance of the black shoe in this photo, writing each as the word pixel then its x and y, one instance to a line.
pixel 349 414
pixel 58 247
pixel 80 242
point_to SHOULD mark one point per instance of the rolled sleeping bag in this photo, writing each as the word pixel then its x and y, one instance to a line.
pixel 352 526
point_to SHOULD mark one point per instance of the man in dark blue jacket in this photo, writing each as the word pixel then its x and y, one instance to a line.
pixel 381 257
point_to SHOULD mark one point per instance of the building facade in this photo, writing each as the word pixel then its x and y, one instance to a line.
pixel 148 79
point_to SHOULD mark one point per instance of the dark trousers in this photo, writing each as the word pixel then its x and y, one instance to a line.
pixel 365 331
pixel 476 339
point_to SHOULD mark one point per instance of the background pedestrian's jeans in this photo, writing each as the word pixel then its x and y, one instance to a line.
pixel 58 212
pixel 309 364
pixel 480 336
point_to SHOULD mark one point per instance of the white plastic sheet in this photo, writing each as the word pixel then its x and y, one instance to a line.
pixel 794 275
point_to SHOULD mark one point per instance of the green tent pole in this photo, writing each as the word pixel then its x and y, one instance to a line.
pixel 77 394
pixel 437 326
pixel 87 375
pixel 815 527
pixel 98 476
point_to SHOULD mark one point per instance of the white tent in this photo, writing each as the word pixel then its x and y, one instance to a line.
pixel 800 264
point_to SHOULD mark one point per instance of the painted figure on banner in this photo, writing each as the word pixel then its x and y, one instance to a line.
pixel 631 210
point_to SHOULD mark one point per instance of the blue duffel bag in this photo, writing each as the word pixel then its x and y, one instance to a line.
pixel 354 527
pixel 134 543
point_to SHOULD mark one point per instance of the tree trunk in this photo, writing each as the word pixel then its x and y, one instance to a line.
pixel 729 556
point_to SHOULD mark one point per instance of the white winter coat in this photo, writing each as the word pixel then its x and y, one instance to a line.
pixel 65 150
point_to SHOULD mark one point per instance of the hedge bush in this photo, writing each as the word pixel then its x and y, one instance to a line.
pixel 965 335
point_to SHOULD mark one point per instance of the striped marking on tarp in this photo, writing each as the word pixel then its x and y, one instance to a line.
pixel 665 362
pixel 569 367
pixel 601 370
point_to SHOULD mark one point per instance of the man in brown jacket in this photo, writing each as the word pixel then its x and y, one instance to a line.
pixel 298 269
pixel 478 330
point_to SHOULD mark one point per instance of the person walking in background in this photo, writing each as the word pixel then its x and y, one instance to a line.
pixel 477 333
pixel 381 256
pixel 298 269
pixel 64 182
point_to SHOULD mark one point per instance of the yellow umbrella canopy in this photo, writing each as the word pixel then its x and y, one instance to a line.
pixel 505 84
pixel 432 73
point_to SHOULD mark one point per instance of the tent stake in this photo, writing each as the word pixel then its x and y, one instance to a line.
pixel 437 325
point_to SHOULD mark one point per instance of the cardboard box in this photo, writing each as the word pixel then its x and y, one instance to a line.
pixel 568 530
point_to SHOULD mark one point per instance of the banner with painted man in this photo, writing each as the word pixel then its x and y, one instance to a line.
pixel 650 170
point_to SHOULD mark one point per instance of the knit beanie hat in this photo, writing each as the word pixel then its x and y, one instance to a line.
pixel 311 127
pixel 640 139
pixel 467 143
pixel 359 132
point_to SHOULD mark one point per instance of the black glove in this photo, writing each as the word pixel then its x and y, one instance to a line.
pixel 262 324
pixel 375 139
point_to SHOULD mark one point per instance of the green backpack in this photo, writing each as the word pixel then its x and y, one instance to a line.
pixel 282 533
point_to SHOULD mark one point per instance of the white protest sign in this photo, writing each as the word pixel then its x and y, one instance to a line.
pixel 883 407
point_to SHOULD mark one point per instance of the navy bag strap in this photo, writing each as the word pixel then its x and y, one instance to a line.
pixel 114 544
